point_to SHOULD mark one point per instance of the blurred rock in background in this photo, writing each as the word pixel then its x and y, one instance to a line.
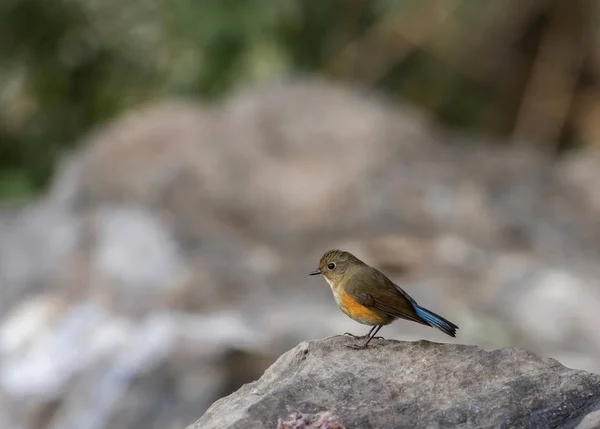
pixel 168 263
pixel 154 249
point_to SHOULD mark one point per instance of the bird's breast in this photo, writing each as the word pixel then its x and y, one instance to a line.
pixel 354 309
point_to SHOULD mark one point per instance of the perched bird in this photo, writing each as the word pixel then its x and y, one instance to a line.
pixel 366 295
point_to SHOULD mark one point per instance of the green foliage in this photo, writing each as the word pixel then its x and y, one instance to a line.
pixel 66 80
pixel 68 65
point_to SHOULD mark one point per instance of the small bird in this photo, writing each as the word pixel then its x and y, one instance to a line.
pixel 366 295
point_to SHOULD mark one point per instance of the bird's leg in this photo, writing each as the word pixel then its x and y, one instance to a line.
pixel 378 327
pixel 360 336
pixel 370 337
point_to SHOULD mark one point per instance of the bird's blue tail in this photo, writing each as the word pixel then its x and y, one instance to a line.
pixel 436 321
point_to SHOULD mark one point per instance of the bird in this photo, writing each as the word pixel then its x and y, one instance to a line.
pixel 369 297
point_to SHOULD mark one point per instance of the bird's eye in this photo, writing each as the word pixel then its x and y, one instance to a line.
pixel 331 266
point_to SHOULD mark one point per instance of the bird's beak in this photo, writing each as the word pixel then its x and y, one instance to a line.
pixel 315 273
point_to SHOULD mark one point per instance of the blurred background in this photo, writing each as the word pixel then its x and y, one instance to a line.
pixel 170 171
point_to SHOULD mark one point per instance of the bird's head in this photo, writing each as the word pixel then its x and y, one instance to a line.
pixel 336 264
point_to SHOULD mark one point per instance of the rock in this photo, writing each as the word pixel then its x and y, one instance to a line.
pixel 79 367
pixel 411 385
pixel 316 421
pixel 34 245
pixel 576 172
pixel 202 222
pixel 591 421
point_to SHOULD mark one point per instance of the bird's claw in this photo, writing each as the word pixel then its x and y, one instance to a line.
pixel 364 345
pixel 356 346
pixel 354 336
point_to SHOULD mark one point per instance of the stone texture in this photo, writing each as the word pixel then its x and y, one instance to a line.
pixel 591 421
pixel 411 385
pixel 315 421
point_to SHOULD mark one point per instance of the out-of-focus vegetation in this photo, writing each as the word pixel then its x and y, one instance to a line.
pixel 524 69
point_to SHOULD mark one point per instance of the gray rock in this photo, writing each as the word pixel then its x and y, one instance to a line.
pixel 411 385
pixel 198 224
pixel 591 421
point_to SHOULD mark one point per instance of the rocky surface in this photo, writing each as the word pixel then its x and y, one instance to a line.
pixel 591 421
pixel 168 263
pixel 411 385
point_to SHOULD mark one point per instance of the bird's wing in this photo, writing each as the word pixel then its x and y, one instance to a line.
pixel 388 298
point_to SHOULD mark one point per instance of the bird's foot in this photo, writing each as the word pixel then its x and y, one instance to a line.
pixel 357 346
pixel 363 345
pixel 354 336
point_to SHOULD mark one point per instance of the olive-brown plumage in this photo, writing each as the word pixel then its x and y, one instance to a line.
pixel 366 295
